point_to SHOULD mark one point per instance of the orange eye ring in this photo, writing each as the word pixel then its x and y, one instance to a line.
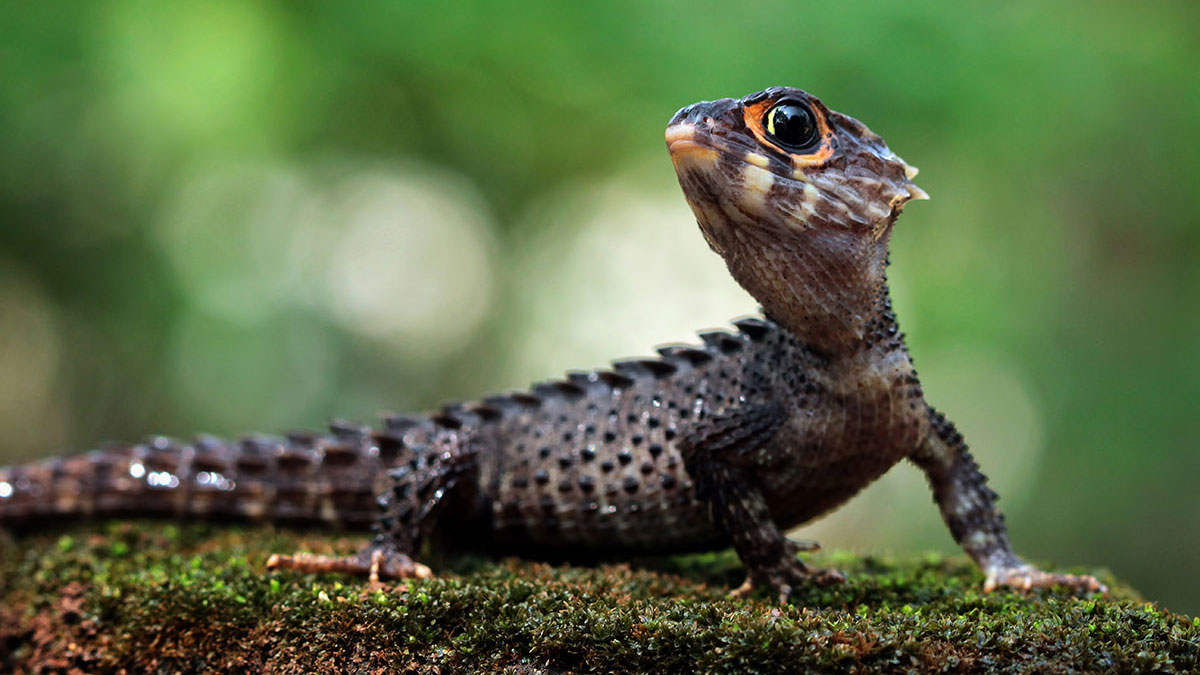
pixel 756 114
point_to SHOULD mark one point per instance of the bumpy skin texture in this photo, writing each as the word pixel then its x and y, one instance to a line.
pixel 732 441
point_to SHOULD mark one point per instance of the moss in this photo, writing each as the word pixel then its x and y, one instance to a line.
pixel 150 596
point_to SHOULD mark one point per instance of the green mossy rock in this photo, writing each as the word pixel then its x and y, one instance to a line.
pixel 149 597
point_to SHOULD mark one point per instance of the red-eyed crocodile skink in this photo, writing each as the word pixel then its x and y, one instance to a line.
pixel 728 442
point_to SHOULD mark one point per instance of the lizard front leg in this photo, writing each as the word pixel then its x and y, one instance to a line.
pixel 968 506
pixel 721 456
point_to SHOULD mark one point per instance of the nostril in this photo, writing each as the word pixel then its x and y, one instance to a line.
pixel 705 113
pixel 684 113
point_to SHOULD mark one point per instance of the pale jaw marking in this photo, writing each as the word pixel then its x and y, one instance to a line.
pixel 758 160
pixel 756 184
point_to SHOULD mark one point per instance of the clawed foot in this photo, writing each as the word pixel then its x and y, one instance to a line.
pixel 789 573
pixel 802 546
pixel 373 563
pixel 1025 577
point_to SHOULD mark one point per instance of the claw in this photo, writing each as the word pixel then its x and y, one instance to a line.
pixel 744 590
pixel 748 587
pixel 829 577
pixel 803 546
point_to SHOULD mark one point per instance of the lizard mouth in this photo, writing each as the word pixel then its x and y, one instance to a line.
pixel 680 133
pixel 686 147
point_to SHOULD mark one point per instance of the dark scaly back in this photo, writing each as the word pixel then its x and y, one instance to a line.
pixel 594 465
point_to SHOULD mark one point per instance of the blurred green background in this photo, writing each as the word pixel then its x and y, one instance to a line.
pixel 236 216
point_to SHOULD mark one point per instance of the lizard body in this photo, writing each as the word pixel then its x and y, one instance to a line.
pixel 731 441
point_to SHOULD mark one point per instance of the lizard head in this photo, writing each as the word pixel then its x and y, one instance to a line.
pixel 780 159
pixel 799 200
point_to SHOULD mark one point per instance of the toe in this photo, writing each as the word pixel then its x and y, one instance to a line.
pixel 1026 578
pixel 744 590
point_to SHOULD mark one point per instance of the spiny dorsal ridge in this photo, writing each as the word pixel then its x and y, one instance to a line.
pixel 754 327
pixel 291 459
pixel 723 341
pixel 258 444
pixel 347 430
pixel 209 443
pixel 692 355
pixel 614 379
pixel 162 444
pixel 643 368
pixel 570 388
pixel 336 453
pixel 659 368
pixel 487 413
pixel 390 442
pixel 401 423
pixel 590 381
pixel 503 402
pixel 559 389
pixel 210 456
pixel 451 416
pixel 525 399
pixel 463 414
pixel 302 438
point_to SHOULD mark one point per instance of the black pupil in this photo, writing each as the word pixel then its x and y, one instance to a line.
pixel 791 125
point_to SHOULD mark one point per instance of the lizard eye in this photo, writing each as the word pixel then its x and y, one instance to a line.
pixel 791 125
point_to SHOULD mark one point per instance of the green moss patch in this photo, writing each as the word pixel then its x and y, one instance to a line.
pixel 161 597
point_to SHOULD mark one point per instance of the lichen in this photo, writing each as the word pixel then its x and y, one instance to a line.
pixel 194 598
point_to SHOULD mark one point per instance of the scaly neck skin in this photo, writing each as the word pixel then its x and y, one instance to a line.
pixel 824 285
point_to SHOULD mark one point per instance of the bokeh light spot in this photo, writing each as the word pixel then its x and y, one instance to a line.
pixel 414 260
pixel 403 255
pixel 31 415
pixel 230 375
pixel 621 269
pixel 242 238
pixel 203 75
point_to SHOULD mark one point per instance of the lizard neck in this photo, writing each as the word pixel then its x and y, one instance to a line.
pixel 827 287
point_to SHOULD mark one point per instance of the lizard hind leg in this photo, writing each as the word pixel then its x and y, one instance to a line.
pixel 409 508
pixel 377 561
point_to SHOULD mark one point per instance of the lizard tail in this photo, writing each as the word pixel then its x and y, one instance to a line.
pixel 304 478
